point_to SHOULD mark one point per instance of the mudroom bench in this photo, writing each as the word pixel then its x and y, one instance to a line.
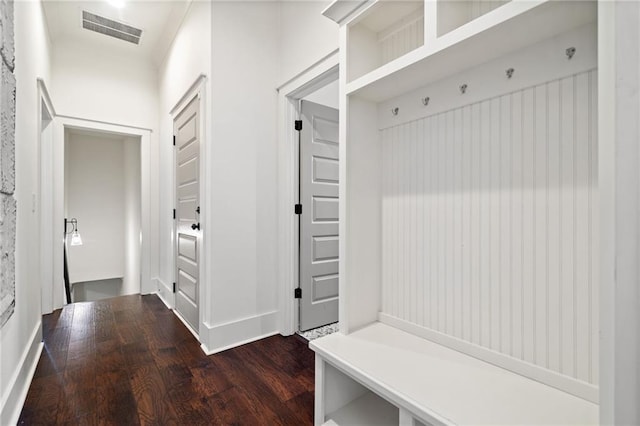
pixel 380 375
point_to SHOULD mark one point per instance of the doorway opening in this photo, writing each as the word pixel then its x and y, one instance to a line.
pixel 315 86
pixel 102 208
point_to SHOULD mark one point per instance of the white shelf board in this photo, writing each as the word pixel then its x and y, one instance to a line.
pixel 369 410
pixel 506 29
pixel 439 385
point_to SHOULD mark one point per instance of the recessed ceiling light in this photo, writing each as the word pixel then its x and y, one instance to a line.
pixel 116 3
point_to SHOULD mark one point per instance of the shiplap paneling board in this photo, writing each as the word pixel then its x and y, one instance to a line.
pixel 490 224
pixel 402 37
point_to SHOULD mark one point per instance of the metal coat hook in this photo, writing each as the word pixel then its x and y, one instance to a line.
pixel 395 111
pixel 463 89
pixel 425 101
pixel 510 72
pixel 570 52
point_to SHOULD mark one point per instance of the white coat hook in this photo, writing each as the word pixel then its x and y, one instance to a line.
pixel 509 72
pixel 570 52
pixel 425 101
pixel 463 89
pixel 395 111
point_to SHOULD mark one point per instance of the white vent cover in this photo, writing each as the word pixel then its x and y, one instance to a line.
pixel 109 27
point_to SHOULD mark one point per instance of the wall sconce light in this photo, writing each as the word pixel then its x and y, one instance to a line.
pixel 76 239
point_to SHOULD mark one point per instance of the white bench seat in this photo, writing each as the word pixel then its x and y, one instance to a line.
pixel 437 385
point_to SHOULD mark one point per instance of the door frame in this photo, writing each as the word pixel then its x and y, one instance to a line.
pixel 320 74
pixel 196 90
pixel 51 222
pixel 45 237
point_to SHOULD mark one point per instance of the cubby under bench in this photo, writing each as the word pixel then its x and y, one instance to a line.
pixel 380 375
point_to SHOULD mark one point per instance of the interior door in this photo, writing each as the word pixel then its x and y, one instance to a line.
pixel 319 218
pixel 187 223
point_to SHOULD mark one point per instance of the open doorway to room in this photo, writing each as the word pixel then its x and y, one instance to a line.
pixel 71 161
pixel 309 195
pixel 102 207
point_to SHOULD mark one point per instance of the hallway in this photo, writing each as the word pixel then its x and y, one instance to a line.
pixel 129 360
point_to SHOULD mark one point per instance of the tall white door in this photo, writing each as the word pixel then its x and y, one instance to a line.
pixel 187 223
pixel 319 218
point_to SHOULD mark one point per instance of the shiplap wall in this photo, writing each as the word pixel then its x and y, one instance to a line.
pixel 401 39
pixel 480 7
pixel 490 227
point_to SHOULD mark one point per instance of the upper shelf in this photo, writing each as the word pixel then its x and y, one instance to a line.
pixel 506 29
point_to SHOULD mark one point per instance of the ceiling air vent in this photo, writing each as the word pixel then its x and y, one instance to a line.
pixel 106 26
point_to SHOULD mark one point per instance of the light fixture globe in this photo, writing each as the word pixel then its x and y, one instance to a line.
pixel 76 239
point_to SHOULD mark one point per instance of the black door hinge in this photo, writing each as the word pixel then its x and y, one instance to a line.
pixel 174 140
pixel 298 209
pixel 174 287
pixel 297 293
pixel 174 213
pixel 298 125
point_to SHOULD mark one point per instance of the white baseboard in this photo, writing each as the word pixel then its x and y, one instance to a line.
pixel 21 379
pixel 165 292
pixel 218 338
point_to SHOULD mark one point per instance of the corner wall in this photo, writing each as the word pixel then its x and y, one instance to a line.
pixel 20 337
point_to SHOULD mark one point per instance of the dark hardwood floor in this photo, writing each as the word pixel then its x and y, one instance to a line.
pixel 129 360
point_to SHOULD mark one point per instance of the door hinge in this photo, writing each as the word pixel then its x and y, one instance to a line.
pixel 297 293
pixel 298 209
pixel 174 287
pixel 174 213
pixel 174 140
pixel 298 125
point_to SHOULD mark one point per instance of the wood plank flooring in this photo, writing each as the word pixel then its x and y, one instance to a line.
pixel 130 361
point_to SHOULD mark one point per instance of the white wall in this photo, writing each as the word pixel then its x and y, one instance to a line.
pixel 119 89
pixel 94 195
pixel 188 57
pixel 100 85
pixel 243 172
pixel 21 334
pixel 305 36
pixel 132 215
pixel 102 191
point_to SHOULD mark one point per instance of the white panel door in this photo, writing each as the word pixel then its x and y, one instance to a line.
pixel 187 223
pixel 319 219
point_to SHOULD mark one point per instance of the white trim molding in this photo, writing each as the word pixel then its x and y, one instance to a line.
pixel 43 93
pixel 221 337
pixel 339 10
pixel 289 95
pixel 165 292
pixel 192 91
pixel 51 299
pixel 11 405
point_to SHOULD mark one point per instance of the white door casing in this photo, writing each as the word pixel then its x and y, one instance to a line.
pixel 187 223
pixel 319 218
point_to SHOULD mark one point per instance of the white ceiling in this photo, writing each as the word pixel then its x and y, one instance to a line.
pixel 159 21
